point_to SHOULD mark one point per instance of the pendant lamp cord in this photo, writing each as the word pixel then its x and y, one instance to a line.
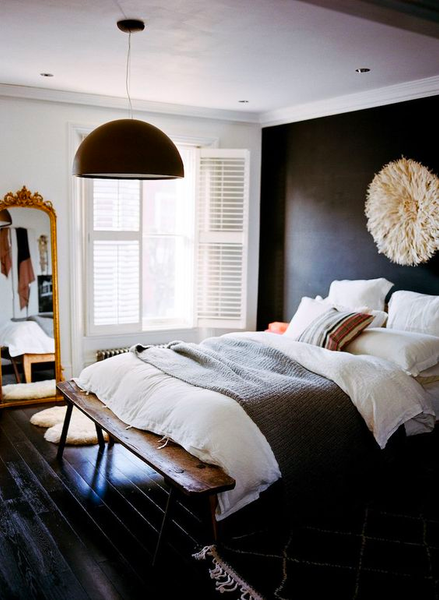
pixel 127 78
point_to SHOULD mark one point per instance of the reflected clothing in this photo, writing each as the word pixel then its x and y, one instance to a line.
pixel 5 251
pixel 24 267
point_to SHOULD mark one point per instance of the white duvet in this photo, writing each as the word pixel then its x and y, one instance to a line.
pixel 25 337
pixel 216 429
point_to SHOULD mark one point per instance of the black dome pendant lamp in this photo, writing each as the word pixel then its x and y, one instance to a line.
pixel 128 148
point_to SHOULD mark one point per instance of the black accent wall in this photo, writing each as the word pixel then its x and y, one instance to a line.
pixel 313 190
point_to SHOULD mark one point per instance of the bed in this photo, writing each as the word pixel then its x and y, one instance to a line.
pixel 361 393
pixel 27 341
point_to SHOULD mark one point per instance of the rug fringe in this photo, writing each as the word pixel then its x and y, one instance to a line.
pixel 226 578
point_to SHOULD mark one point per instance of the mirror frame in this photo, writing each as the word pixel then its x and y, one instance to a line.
pixel 25 199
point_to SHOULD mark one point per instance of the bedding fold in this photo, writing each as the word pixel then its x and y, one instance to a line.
pixel 317 435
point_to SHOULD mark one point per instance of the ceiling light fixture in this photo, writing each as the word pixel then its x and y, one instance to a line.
pixel 128 148
pixel 46 74
pixel 362 70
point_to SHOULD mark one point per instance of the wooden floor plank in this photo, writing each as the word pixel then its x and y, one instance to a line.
pixel 180 540
pixel 8 484
pixel 121 578
pixel 100 532
pixel 91 575
pixel 42 568
pixel 112 476
pixel 69 544
pixel 7 587
pixel 120 502
pixel 145 534
pixel 14 584
pixel 116 545
pixel 25 483
pixel 142 493
pixel 57 479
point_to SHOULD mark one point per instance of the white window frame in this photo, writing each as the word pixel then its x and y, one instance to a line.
pixel 92 236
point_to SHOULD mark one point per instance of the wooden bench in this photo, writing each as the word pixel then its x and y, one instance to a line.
pixel 183 472
pixel 30 359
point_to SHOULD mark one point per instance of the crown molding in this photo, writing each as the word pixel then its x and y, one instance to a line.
pixel 391 94
pixel 48 95
pixel 411 90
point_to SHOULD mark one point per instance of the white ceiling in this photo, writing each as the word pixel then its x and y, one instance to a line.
pixel 276 54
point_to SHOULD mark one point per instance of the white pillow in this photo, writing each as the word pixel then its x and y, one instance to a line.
pixel 308 310
pixel 380 315
pixel 360 292
pixel 311 308
pixel 411 311
pixel 430 375
pixel 412 352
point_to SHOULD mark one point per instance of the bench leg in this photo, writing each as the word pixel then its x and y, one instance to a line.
pixel 110 441
pixel 65 428
pixel 16 373
pixel 215 525
pixel 100 435
pixel 165 523
pixel 27 368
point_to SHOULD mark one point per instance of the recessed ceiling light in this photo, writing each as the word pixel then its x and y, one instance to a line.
pixel 362 70
pixel 243 101
pixel 46 74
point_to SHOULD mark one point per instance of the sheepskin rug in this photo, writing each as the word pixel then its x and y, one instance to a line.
pixel 402 209
pixel 29 391
pixel 82 430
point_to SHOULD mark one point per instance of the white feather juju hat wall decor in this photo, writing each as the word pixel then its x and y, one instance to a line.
pixel 402 210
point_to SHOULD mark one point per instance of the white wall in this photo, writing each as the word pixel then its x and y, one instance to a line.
pixel 35 151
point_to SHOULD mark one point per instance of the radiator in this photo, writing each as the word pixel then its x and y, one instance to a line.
pixel 103 354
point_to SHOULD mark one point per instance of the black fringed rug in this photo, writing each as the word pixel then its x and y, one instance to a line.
pixel 386 547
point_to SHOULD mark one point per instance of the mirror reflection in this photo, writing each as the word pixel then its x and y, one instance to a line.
pixel 27 334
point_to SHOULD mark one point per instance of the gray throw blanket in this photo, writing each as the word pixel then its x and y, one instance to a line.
pixel 317 435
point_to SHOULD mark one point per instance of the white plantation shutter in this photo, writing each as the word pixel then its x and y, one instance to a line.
pixel 116 282
pixel 222 227
pixel 116 205
pixel 114 256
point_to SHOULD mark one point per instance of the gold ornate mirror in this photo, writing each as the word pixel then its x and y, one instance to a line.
pixel 29 321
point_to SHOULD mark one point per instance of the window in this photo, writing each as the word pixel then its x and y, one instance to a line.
pixel 115 253
pixel 168 230
pixel 169 254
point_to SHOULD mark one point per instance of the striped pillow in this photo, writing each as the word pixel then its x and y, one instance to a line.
pixel 334 329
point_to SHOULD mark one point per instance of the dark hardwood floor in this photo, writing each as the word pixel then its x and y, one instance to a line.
pixel 86 527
